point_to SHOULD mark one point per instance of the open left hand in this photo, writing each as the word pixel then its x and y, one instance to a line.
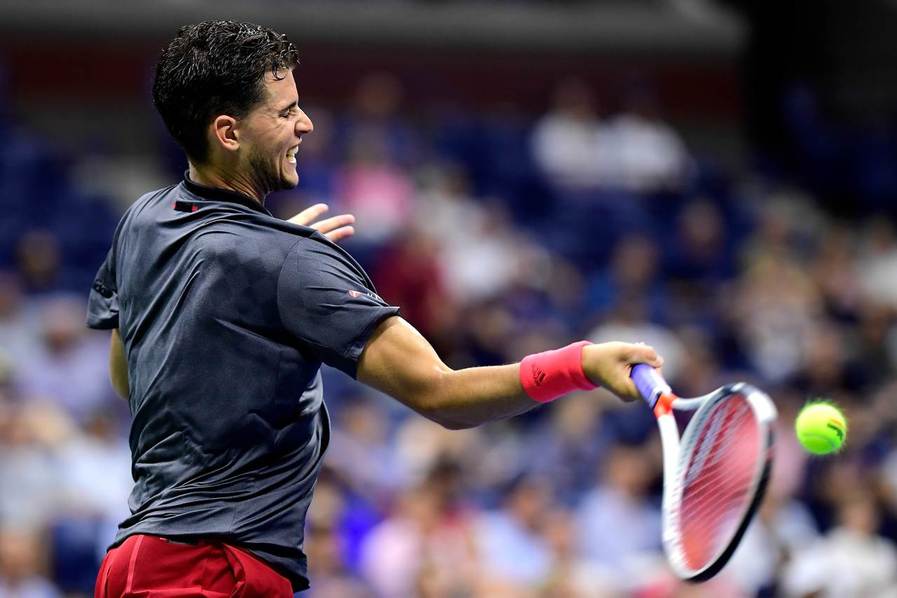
pixel 334 228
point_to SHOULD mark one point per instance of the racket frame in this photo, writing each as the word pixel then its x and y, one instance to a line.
pixel 658 395
pixel 765 414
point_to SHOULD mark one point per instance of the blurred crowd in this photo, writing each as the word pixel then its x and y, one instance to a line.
pixel 499 235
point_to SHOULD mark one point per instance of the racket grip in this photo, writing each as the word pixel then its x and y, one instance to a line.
pixel 649 383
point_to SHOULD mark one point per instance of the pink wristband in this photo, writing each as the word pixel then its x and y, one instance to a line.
pixel 549 375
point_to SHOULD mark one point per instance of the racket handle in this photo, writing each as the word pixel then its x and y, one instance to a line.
pixel 649 382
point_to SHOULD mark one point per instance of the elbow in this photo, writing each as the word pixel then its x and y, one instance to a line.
pixel 433 398
pixel 449 421
pixel 439 407
pixel 449 424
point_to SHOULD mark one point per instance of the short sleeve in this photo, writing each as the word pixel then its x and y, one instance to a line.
pixel 328 303
pixel 102 304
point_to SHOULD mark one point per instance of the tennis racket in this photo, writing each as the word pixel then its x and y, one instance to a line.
pixel 715 476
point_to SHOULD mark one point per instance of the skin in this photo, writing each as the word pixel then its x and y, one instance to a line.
pixel 399 361
pixel 250 155
pixel 118 365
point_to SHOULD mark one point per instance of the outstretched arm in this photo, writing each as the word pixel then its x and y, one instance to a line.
pixel 400 362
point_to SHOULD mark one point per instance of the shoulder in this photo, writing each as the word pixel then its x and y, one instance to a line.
pixel 317 270
pixel 143 204
pixel 153 198
pixel 315 255
pixel 136 210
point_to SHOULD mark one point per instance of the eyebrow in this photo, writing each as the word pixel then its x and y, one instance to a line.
pixel 290 105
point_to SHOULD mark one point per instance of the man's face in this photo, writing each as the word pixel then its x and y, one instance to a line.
pixel 271 133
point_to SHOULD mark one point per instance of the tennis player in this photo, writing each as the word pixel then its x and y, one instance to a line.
pixel 221 316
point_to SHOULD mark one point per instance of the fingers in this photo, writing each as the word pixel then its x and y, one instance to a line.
pixel 309 214
pixel 334 228
pixel 642 353
pixel 610 364
pixel 635 354
pixel 340 233
pixel 627 391
pixel 333 223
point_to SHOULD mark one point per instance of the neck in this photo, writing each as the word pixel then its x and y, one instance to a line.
pixel 210 176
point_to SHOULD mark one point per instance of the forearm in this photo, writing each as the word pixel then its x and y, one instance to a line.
pixel 473 396
pixel 401 363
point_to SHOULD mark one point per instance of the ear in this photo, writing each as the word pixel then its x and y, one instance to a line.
pixel 224 132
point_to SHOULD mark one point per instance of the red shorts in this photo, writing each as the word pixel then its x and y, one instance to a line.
pixel 153 567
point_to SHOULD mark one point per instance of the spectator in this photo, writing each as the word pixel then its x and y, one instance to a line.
pixel 619 521
pixel 649 154
pixel 775 319
pixel 421 445
pixel 632 274
pixel 485 259
pixel 877 263
pixel 570 575
pixel 18 322
pixel 71 367
pixel 39 261
pixel 408 273
pixel 30 436
pixel 569 447
pixel 362 453
pixel 95 475
pixel 417 551
pixel 375 189
pixel 566 141
pixel 513 551
pixel 851 561
pixel 376 115
pixel 700 255
pixel 22 565
pixel 332 579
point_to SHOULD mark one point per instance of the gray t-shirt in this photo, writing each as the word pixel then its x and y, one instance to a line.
pixel 227 314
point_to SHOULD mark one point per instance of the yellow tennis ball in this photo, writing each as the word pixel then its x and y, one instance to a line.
pixel 821 428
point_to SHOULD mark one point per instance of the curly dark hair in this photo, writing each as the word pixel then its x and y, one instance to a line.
pixel 215 67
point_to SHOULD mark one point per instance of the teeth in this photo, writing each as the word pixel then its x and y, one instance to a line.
pixel 291 154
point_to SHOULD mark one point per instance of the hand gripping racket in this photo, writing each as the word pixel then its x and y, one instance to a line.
pixel 715 476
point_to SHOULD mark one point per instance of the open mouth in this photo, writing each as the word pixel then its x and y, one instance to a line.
pixel 291 154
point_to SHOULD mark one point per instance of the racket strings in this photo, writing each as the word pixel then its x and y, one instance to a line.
pixel 718 479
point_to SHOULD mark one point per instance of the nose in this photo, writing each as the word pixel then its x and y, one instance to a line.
pixel 304 124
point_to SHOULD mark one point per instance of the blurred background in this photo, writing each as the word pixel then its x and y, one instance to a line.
pixel 717 178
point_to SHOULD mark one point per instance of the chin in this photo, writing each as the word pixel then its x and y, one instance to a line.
pixel 287 182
